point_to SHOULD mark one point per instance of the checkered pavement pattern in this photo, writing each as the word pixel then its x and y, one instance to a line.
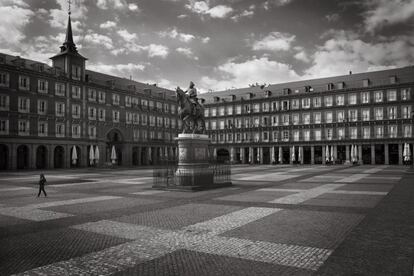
pixel 274 221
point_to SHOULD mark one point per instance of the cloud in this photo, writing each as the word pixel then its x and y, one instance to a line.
pixel 202 7
pixel 120 70
pixel 175 34
pixel 14 17
pixel 111 4
pixel 98 39
pixel 275 41
pixel 157 50
pixel 187 52
pixel 382 13
pixel 261 70
pixel 133 7
pixel 332 17
pixel 59 17
pixel 345 51
pixel 278 3
pixel 205 39
pixel 108 25
pixel 302 56
pixel 127 36
pixel 245 13
pixel 181 16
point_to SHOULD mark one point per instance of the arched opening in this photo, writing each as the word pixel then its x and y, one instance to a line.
pixel 58 157
pixel 4 157
pixel 22 157
pixel 41 157
pixel 223 156
pixel 135 156
pixel 114 140
pixel 366 154
pixel 75 157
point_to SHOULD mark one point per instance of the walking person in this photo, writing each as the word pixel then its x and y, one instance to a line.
pixel 42 182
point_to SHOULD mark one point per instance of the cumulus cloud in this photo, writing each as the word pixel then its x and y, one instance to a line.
pixel 205 39
pixel 382 13
pixel 108 25
pixel 133 7
pixel 261 70
pixel 98 39
pixel 120 70
pixel 59 17
pixel 157 50
pixel 245 13
pixel 202 7
pixel 175 34
pixel 278 3
pixel 186 52
pixel 111 4
pixel 345 51
pixel 275 41
pixel 127 36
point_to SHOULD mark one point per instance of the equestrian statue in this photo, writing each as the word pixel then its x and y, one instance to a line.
pixel 191 112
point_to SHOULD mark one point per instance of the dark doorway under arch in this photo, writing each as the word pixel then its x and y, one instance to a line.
pixel 22 157
pixel 223 156
pixel 4 157
pixel 41 157
pixel 58 157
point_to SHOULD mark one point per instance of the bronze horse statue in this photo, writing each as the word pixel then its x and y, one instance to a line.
pixel 191 114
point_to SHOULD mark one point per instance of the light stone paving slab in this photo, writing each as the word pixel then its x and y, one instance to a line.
pixel 149 192
pixel 15 189
pixel 152 243
pixel 278 176
pixel 353 178
pixel 306 194
pixel 328 192
pixel 375 170
pixel 33 212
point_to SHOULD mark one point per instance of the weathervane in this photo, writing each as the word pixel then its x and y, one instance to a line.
pixel 69 3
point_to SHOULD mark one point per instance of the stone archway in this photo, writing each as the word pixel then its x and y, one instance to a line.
pixel 114 138
pixel 41 157
pixel 4 157
pixel 223 155
pixel 59 157
pixel 75 163
pixel 22 157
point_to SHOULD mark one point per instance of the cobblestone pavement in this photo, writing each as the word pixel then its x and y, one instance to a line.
pixel 275 220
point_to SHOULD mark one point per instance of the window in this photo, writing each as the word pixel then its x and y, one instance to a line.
pixel 265 121
pixel 60 89
pixel 317 102
pixel 115 116
pixel 285 134
pixel 378 96
pixel 206 112
pixel 229 110
pixel 238 109
pixel 76 111
pixel 76 72
pixel 128 117
pixel 285 105
pixel 41 107
pixel 340 116
pixel 238 123
pixel 285 119
pixel 392 112
pixel 173 108
pixel 115 99
pixel 151 105
pixel 353 132
pixel 265 136
pixel 91 95
pixel 160 121
pixel 152 120
pixel 352 99
pixel 306 135
pixel 317 118
pixel 4 103
pixel 4 127
pixel 221 111
pixel 306 118
pixel 328 117
pixel 295 104
pixel 144 120
pixel 365 115
pixel 391 95
pixel 92 113
pixel 101 97
pixel 365 97
pixel 92 132
pixel 24 105
pixel 341 133
pixel 407 131
pixel 101 114
pixel 406 112
pixel 296 135
pixel 317 134
pixel 213 112
pixel 329 133
pixel 353 115
pixel 42 128
pixel 328 100
pixel 256 107
pixel 295 119
pixel 256 122
pixel 379 113
pixel 275 120
pixel 366 132
pixel 60 130
pixel 365 83
pixel 4 79
pixel 246 123
pixel 306 103
pixel 76 92
pixel 24 127
pixel 136 134
pixel 42 86
pixel 144 135
pixel 405 94
pixel 60 109
pixel 76 131
pixel 340 100
pixel 158 104
pixel 275 136
pixel 379 132
pixel 392 131
pixel 167 122
pixel 275 106
pixel 24 83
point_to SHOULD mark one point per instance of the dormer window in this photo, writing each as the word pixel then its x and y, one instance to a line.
pixel 250 96
pixel 24 83
pixel 76 72
pixel 216 99
pixel 308 88
pixel 393 79
pixel 286 91
pixel 365 83
pixel 340 85
pixel 268 93
pixel 330 86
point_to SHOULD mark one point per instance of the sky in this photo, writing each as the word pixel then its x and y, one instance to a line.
pixel 216 44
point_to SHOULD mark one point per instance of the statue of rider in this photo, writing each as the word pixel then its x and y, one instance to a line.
pixel 192 94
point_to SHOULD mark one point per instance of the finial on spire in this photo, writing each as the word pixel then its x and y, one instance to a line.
pixel 69 6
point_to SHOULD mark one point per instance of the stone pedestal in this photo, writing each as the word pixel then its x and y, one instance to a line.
pixel 193 170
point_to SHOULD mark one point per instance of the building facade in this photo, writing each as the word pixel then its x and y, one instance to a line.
pixel 300 122
pixel 51 117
